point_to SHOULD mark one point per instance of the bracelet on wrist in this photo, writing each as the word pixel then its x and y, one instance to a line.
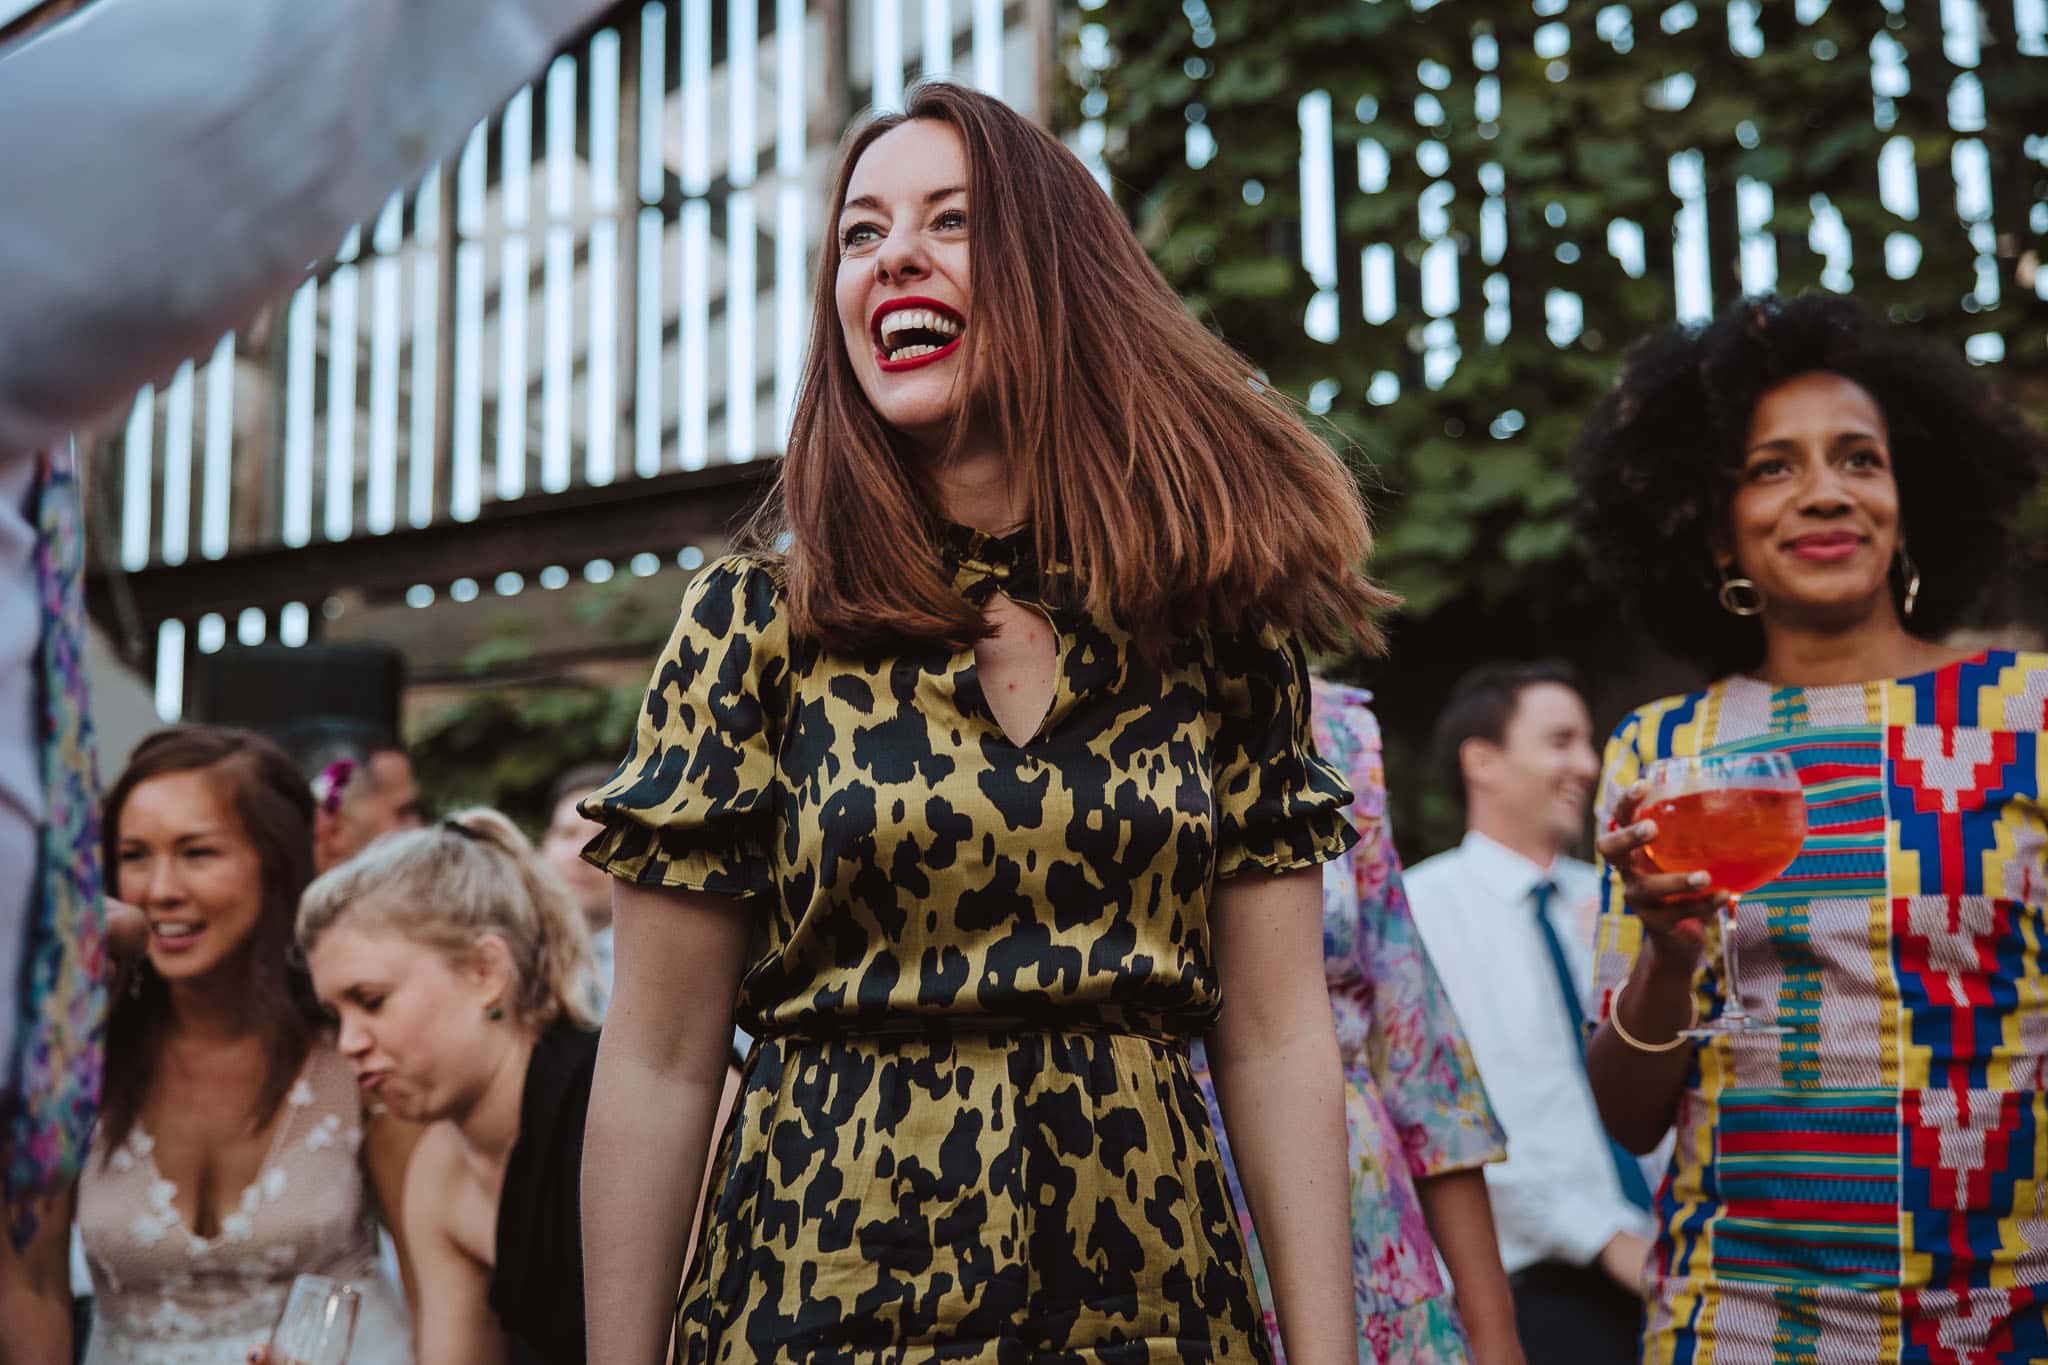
pixel 1621 1032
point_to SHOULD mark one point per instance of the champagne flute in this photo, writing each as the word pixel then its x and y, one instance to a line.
pixel 317 1324
pixel 1741 819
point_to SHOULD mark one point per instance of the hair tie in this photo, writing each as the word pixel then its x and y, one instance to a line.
pixel 454 826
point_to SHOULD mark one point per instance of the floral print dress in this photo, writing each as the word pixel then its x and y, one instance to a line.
pixel 1413 1103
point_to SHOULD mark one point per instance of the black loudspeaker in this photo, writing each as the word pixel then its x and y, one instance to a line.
pixel 301 696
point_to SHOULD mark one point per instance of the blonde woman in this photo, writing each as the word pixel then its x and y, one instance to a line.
pixel 457 969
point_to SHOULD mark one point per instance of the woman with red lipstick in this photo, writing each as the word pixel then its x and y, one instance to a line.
pixel 232 1151
pixel 980 801
pixel 1806 503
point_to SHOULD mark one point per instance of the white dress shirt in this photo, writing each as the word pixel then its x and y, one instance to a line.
pixel 21 776
pixel 1557 1196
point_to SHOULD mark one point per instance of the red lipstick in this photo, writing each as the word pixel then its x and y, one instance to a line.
pixel 945 320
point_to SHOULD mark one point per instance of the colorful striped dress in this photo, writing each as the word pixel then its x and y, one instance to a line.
pixel 1869 1187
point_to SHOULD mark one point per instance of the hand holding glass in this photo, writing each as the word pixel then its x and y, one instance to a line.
pixel 1741 819
pixel 318 1322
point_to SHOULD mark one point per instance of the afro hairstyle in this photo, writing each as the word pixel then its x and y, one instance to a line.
pixel 1658 465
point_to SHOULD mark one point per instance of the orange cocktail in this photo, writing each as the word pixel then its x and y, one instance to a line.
pixel 1742 837
pixel 1739 818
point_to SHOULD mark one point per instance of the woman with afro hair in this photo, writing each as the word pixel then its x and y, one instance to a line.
pixel 1806 503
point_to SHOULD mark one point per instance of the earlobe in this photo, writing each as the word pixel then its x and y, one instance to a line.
pixel 1475 759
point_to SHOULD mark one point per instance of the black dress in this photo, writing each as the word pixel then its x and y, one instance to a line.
pixel 537 1285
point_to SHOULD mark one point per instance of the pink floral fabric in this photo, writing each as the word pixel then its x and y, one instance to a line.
pixel 1413 1103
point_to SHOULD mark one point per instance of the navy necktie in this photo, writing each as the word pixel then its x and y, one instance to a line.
pixel 1632 1183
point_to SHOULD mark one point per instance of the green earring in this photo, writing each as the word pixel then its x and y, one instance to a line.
pixel 495 1013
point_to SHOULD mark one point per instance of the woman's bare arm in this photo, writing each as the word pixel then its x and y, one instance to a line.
pixel 1460 1219
pixel 388 1145
pixel 1637 1091
pixel 35 1289
pixel 661 1069
pixel 1280 1086
pixel 452 1319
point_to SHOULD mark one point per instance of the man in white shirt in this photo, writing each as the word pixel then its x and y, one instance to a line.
pixel 1507 918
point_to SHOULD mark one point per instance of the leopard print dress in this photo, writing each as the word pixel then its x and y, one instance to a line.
pixel 968 1130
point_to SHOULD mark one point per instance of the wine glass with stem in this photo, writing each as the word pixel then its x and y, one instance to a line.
pixel 318 1322
pixel 1741 819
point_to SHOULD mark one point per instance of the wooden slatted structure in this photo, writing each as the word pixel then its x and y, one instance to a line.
pixel 576 339
pixel 578 334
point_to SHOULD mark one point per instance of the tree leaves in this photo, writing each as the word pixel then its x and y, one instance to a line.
pixel 1556 162
pixel 1469 409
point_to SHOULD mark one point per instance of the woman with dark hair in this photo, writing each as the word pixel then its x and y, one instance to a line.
pixel 982 799
pixel 232 1151
pixel 1805 502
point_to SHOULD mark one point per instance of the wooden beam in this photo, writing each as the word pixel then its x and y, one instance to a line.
pixel 660 515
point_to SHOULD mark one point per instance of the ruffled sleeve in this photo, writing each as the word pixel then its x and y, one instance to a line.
pixel 1279 806
pixel 692 805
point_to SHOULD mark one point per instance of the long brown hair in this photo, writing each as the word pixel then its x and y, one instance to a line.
pixel 271 801
pixel 1181 488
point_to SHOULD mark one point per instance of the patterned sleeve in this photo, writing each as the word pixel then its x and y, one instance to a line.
pixel 1417 1053
pixel 691 805
pixel 1617 934
pixel 1279 806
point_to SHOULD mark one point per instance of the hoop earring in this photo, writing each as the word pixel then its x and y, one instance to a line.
pixel 1740 596
pixel 1909 573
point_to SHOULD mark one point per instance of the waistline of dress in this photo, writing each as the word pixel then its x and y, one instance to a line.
pixel 911 1027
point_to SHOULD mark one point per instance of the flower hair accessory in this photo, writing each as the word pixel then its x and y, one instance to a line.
pixel 331 783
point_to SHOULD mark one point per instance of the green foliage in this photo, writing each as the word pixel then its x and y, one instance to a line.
pixel 505 746
pixel 525 723
pixel 1469 477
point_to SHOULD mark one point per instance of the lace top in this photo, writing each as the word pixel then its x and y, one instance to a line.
pixel 164 1295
